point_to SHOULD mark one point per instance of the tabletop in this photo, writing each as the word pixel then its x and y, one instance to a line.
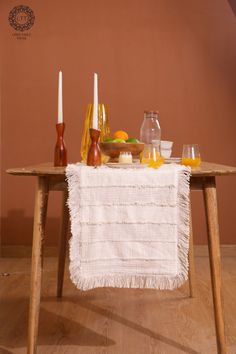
pixel 47 169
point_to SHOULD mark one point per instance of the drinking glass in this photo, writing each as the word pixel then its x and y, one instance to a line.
pixel 103 126
pixel 191 155
pixel 151 155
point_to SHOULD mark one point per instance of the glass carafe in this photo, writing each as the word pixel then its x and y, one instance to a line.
pixel 103 126
pixel 150 131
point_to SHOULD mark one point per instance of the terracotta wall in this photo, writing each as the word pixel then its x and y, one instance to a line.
pixel 175 56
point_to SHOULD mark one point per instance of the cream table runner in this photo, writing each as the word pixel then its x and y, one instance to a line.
pixel 130 227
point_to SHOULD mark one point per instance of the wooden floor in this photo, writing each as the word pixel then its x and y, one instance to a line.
pixel 115 321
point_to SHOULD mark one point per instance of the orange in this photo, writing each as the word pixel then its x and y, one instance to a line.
pixel 120 134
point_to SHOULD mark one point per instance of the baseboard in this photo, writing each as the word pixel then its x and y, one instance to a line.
pixel 52 251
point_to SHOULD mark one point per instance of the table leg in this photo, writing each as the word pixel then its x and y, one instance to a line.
pixel 62 244
pixel 191 259
pixel 210 198
pixel 40 212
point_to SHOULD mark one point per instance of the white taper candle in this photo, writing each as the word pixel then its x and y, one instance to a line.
pixel 95 102
pixel 60 110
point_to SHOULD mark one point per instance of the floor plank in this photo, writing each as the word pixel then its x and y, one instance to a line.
pixel 115 321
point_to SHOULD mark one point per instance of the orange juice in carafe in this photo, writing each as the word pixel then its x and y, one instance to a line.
pixel 103 126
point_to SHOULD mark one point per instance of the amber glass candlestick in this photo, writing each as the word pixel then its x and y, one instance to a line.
pixel 94 153
pixel 60 154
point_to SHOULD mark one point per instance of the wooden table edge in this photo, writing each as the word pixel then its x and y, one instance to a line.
pixel 208 169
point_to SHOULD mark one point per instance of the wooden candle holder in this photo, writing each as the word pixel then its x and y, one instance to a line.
pixel 60 153
pixel 94 153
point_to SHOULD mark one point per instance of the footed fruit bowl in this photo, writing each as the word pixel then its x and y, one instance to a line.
pixel 113 150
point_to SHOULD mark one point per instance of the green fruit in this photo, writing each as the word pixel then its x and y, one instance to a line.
pixel 108 140
pixel 132 140
pixel 118 141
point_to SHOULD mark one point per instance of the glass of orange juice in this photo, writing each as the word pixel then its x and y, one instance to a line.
pixel 151 155
pixel 191 155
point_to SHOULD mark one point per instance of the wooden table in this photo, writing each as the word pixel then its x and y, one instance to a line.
pixel 53 178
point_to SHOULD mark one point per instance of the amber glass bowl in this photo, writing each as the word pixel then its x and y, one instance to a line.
pixel 113 150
